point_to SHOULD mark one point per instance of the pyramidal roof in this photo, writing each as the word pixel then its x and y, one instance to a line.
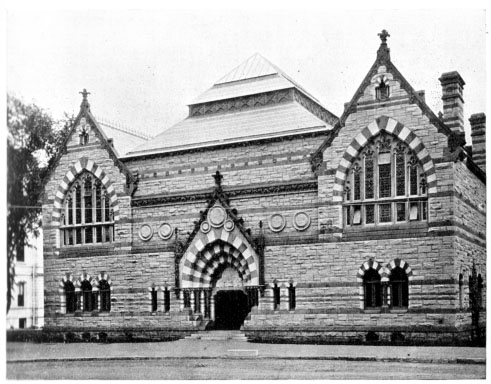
pixel 252 110
pixel 255 75
pixel 254 66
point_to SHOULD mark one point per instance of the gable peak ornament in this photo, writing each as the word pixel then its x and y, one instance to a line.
pixel 85 102
pixel 383 53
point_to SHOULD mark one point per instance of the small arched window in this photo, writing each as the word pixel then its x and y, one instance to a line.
pixel 386 184
pixel 87 216
pixel 480 286
pixel 399 285
pixel 382 90
pixel 105 295
pixel 70 297
pixel 373 289
pixel 291 297
pixel 87 297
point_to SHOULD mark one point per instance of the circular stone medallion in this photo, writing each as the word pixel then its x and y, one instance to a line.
pixel 205 227
pixel 217 216
pixel 301 221
pixel 277 222
pixel 229 225
pixel 165 231
pixel 145 232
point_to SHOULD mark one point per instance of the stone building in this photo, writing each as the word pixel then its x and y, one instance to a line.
pixel 369 226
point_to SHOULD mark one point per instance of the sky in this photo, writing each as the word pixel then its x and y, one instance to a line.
pixel 142 67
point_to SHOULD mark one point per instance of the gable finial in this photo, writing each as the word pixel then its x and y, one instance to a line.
pixel 383 53
pixel 383 36
pixel 218 179
pixel 85 103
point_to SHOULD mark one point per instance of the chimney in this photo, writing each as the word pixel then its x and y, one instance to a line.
pixel 453 101
pixel 478 135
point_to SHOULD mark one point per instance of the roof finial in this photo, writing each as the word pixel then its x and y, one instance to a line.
pixel 383 53
pixel 383 36
pixel 218 179
pixel 85 103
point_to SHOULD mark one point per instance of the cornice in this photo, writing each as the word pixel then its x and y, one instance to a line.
pixel 202 195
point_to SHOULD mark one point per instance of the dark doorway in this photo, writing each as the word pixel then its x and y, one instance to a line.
pixel 231 309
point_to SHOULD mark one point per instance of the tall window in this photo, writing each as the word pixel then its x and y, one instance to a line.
pixel 480 286
pixel 87 217
pixel 19 255
pixel 399 288
pixel 386 184
pixel 105 295
pixel 291 297
pixel 461 291
pixel 153 293
pixel 167 300
pixel 276 296
pixel 20 294
pixel 373 289
pixel 71 297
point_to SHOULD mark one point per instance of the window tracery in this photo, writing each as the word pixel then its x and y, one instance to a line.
pixel 87 216
pixel 386 184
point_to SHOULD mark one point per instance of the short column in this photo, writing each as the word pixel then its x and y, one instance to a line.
pixel 202 299
pixel 181 300
pixel 212 306
pixel 191 299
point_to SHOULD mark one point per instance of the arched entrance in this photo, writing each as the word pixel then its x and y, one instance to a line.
pixel 231 301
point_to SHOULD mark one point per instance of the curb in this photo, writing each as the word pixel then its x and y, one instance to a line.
pixel 480 361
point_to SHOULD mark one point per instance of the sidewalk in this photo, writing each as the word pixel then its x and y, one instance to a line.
pixel 200 349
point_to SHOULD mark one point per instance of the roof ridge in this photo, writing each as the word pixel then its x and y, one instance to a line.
pixel 120 127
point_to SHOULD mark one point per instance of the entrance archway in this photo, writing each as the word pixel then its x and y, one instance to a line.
pixel 231 309
pixel 231 301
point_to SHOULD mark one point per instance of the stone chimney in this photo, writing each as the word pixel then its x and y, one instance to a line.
pixel 478 135
pixel 453 101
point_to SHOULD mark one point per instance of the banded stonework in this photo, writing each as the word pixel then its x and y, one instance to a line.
pixel 264 211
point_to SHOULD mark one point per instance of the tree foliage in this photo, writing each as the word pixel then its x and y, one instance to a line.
pixel 33 140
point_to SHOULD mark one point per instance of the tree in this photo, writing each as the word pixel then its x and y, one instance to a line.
pixel 33 140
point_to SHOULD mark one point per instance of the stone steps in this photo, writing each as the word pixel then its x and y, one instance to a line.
pixel 218 335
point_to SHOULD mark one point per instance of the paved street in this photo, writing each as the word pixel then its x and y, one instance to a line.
pixel 197 359
pixel 248 368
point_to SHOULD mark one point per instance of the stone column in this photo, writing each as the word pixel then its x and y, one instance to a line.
pixel 202 299
pixel 181 299
pixel 191 300
pixel 284 297
pixel 212 306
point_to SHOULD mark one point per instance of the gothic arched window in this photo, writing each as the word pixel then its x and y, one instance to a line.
pixel 373 289
pixel 87 296
pixel 399 286
pixel 87 216
pixel 386 184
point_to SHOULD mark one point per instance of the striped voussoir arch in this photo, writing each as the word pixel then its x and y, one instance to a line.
pixel 75 170
pixel 218 248
pixel 402 264
pixel 382 271
pixel 395 128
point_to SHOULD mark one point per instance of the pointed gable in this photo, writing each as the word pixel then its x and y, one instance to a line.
pixel 365 97
pixel 86 134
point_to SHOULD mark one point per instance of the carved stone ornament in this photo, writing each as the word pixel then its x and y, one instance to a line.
pixel 83 128
pixel 165 231
pixel 145 232
pixel 277 222
pixel 301 221
pixel 216 216
pixel 229 226
pixel 205 227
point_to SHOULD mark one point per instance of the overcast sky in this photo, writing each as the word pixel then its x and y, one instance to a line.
pixel 143 67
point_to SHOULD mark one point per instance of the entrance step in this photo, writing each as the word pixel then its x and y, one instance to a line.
pixel 218 335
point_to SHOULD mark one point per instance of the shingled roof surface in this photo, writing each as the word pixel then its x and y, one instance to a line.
pixel 124 139
pixel 254 76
